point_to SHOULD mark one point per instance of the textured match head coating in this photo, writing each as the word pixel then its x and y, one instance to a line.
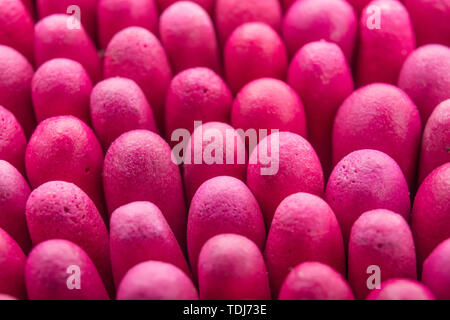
pixel 138 167
pixel 155 280
pixel 321 76
pixel 401 289
pixel 61 210
pixel 12 264
pixel 118 105
pixel 221 151
pixel 61 87
pixel 16 27
pixel 436 274
pixel 139 232
pixel 15 87
pixel 188 36
pixel 430 18
pixel 54 39
pixel 196 94
pixel 366 180
pixel 303 221
pixel 290 166
pixel 431 211
pixel 315 281
pixel 88 11
pixel 231 267
pixel 424 77
pixel 115 15
pixel 61 270
pixel 65 148
pixel 435 140
pixel 383 239
pixel 230 14
pixel 254 50
pixel 380 117
pixel 127 52
pixel 12 140
pixel 384 48
pixel 313 20
pixel 14 192
pixel 269 104
pixel 223 205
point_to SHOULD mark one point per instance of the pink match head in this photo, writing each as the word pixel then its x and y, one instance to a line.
pixel 188 36
pixel 401 289
pixel 254 50
pixel 15 87
pixel 223 205
pixel 313 20
pixel 269 104
pixel 305 221
pixel 61 87
pixel 12 265
pixel 61 270
pixel 155 280
pixel 436 274
pixel 14 192
pixel 12 140
pixel 315 281
pixel 231 267
pixel 380 117
pixel 118 105
pixel 380 239
pixel 138 233
pixel 366 180
pixel 138 167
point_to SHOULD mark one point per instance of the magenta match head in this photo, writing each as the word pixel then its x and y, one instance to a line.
pixel 188 36
pixel 223 205
pixel 54 39
pixel 230 14
pixel 401 289
pixel 366 180
pixel 138 233
pixel 380 239
pixel 313 20
pixel 65 148
pixel 12 265
pixel 231 267
pixel 435 141
pixel 321 76
pixel 155 280
pixel 196 94
pixel 291 166
pixel 118 105
pixel 383 48
pixel 305 221
pixel 315 281
pixel 14 192
pixel 254 50
pixel 17 27
pixel 436 274
pixel 424 77
pixel 431 211
pixel 380 117
pixel 61 270
pixel 88 11
pixel 115 15
pixel 15 87
pixel 61 87
pixel 138 167
pixel 228 159
pixel 12 140
pixel 61 210
pixel 127 52
pixel 269 104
